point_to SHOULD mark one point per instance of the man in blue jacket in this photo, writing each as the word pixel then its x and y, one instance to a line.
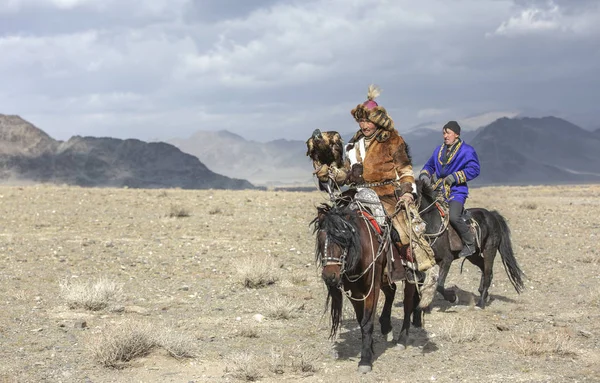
pixel 454 163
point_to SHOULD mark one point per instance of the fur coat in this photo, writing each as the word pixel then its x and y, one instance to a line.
pixel 387 158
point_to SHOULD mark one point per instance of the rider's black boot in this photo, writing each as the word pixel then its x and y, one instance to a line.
pixel 468 244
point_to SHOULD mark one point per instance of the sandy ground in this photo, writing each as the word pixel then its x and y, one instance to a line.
pixel 187 275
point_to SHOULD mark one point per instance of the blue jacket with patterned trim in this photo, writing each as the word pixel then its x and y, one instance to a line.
pixel 462 163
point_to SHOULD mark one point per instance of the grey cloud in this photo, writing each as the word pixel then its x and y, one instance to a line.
pixel 278 69
pixel 569 6
pixel 217 10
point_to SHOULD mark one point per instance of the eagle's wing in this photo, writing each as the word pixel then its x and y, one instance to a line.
pixel 337 149
pixel 310 148
pixel 314 153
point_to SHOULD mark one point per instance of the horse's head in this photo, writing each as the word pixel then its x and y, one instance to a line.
pixel 430 203
pixel 338 242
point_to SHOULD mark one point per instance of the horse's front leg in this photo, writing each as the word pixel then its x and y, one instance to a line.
pixel 410 292
pixel 448 294
pixel 418 312
pixel 365 314
pixel 385 320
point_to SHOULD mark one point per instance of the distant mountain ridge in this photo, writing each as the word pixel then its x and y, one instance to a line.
pixel 519 150
pixel 537 150
pixel 275 162
pixel 29 154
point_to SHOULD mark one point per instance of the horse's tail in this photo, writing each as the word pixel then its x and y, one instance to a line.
pixel 335 296
pixel 506 252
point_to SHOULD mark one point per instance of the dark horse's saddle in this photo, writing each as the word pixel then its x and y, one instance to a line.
pixel 367 202
pixel 456 243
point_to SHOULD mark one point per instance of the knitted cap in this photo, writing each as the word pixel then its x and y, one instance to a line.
pixel 453 126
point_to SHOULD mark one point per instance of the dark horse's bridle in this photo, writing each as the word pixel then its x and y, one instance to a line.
pixel 328 259
pixel 445 220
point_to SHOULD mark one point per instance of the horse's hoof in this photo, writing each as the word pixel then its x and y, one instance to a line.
pixel 455 301
pixel 389 337
pixel 364 369
pixel 400 347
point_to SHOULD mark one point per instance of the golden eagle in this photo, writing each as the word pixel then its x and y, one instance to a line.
pixel 326 148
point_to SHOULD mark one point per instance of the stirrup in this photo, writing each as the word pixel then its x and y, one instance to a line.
pixel 467 251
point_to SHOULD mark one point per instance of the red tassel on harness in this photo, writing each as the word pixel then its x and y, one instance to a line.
pixel 440 209
pixel 373 221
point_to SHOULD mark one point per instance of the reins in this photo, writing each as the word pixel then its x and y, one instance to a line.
pixel 445 218
pixel 375 257
pixel 383 240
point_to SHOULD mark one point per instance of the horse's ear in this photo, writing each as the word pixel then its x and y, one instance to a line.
pixel 419 184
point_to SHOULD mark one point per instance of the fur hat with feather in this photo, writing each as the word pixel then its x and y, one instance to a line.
pixel 371 111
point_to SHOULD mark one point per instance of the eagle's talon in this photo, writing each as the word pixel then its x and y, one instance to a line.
pixel 317 170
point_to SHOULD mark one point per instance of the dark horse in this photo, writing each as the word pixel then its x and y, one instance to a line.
pixel 494 237
pixel 353 263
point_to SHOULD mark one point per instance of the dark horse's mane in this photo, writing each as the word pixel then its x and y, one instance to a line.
pixel 425 190
pixel 340 224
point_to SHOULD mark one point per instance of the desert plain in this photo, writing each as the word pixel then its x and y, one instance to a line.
pixel 170 285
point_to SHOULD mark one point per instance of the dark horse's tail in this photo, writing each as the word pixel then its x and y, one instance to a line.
pixel 506 251
pixel 336 298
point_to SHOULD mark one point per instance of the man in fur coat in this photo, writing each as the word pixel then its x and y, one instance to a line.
pixel 377 157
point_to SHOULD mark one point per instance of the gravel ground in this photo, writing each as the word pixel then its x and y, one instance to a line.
pixel 233 274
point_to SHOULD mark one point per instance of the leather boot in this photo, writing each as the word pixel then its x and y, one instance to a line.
pixel 468 244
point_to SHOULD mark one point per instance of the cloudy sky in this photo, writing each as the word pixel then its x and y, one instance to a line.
pixel 268 69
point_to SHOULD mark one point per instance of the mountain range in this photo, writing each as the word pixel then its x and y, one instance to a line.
pixel 275 162
pixel 519 150
pixel 28 154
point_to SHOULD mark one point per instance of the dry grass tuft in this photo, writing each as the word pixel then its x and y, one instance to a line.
pixel 214 211
pixel 244 367
pixel 593 259
pixel 258 273
pixel 131 339
pixel 122 343
pixel 178 212
pixel 590 297
pixel 528 206
pixel 544 344
pixel 299 279
pixel 304 360
pixel 299 360
pixel 281 308
pixel 276 361
pixel 91 295
pixel 459 331
pixel 178 345
pixel 249 332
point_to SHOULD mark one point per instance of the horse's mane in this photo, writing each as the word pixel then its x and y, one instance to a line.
pixel 425 190
pixel 342 229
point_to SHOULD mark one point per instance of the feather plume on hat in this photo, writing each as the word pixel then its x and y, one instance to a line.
pixel 373 92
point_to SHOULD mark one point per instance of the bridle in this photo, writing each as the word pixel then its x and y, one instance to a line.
pixel 327 259
pixel 444 218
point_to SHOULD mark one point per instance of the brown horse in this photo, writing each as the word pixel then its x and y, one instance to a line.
pixel 348 247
